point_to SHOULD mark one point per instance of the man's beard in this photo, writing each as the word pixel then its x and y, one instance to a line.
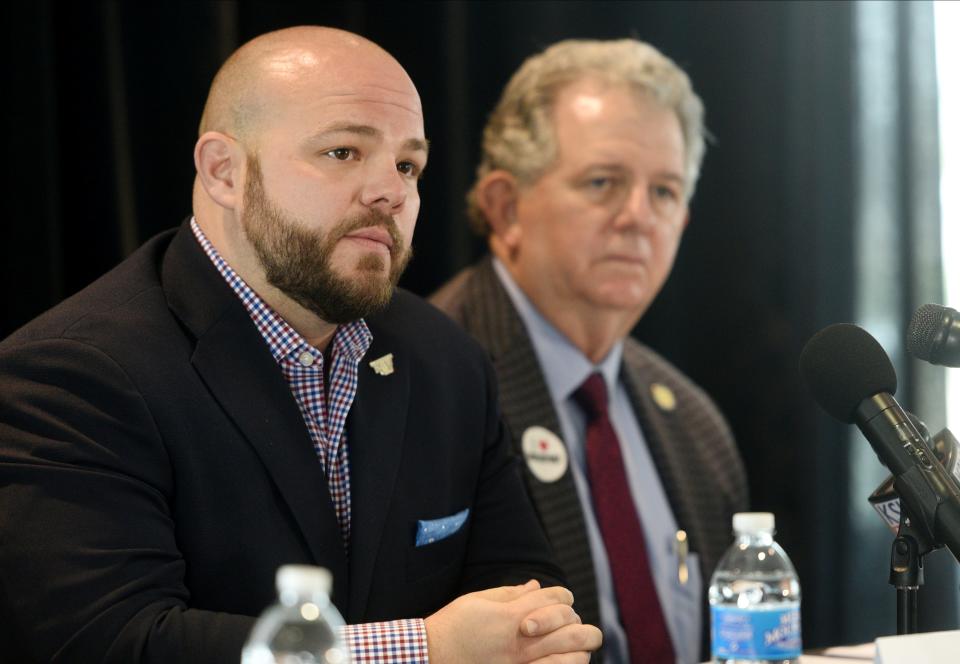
pixel 297 260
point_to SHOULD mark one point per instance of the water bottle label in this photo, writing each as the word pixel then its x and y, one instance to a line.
pixel 755 633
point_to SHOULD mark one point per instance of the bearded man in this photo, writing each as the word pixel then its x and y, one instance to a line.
pixel 250 390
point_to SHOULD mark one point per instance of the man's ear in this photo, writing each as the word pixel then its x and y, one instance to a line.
pixel 496 196
pixel 218 160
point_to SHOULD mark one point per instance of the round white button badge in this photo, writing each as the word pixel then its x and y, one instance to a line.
pixel 544 453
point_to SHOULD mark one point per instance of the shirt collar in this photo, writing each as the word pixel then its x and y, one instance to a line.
pixel 564 366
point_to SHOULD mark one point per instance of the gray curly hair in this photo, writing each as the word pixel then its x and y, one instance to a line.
pixel 519 136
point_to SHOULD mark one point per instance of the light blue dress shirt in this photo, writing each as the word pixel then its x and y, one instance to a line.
pixel 565 367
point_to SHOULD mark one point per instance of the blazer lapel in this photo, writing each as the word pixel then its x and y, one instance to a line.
pixel 236 365
pixel 658 428
pixel 489 315
pixel 375 438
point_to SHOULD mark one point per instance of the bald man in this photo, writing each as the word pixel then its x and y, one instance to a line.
pixel 251 390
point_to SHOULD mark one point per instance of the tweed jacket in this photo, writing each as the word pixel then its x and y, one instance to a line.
pixel 691 445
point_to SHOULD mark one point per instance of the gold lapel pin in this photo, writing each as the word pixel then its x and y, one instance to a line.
pixel 663 396
pixel 383 366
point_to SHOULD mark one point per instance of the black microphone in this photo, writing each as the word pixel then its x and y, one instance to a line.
pixel 934 335
pixel 852 379
pixel 947 450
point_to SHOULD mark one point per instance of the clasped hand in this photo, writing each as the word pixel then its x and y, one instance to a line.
pixel 511 625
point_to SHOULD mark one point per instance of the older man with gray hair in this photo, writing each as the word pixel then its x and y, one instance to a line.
pixel 589 161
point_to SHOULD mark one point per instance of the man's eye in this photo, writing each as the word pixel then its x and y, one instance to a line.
pixel 340 154
pixel 599 183
pixel 408 168
pixel 666 193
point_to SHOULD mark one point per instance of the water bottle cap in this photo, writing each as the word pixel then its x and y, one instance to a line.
pixel 304 578
pixel 753 522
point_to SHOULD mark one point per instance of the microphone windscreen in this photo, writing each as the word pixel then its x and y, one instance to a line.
pixel 842 365
pixel 925 326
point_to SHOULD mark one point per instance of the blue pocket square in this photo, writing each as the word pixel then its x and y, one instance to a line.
pixel 435 530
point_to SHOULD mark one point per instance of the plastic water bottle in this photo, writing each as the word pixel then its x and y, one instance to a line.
pixel 755 597
pixel 303 627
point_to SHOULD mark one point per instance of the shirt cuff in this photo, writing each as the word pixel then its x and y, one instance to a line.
pixel 394 642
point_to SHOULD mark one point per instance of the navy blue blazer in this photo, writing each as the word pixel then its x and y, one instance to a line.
pixel 155 470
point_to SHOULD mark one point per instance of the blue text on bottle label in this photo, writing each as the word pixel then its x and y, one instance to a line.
pixel 755 633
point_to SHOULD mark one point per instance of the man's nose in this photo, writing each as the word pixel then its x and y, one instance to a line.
pixel 385 188
pixel 637 210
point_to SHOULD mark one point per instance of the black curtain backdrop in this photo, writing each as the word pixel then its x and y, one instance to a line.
pixel 103 101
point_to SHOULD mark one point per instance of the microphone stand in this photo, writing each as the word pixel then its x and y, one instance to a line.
pixel 906 570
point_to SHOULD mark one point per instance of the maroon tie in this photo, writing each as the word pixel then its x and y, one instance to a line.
pixel 640 614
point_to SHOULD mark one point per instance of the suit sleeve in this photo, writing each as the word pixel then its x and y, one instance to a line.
pixel 88 552
pixel 507 543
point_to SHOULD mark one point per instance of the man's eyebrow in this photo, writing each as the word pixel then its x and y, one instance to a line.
pixel 412 144
pixel 417 144
pixel 680 179
pixel 616 166
pixel 349 128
